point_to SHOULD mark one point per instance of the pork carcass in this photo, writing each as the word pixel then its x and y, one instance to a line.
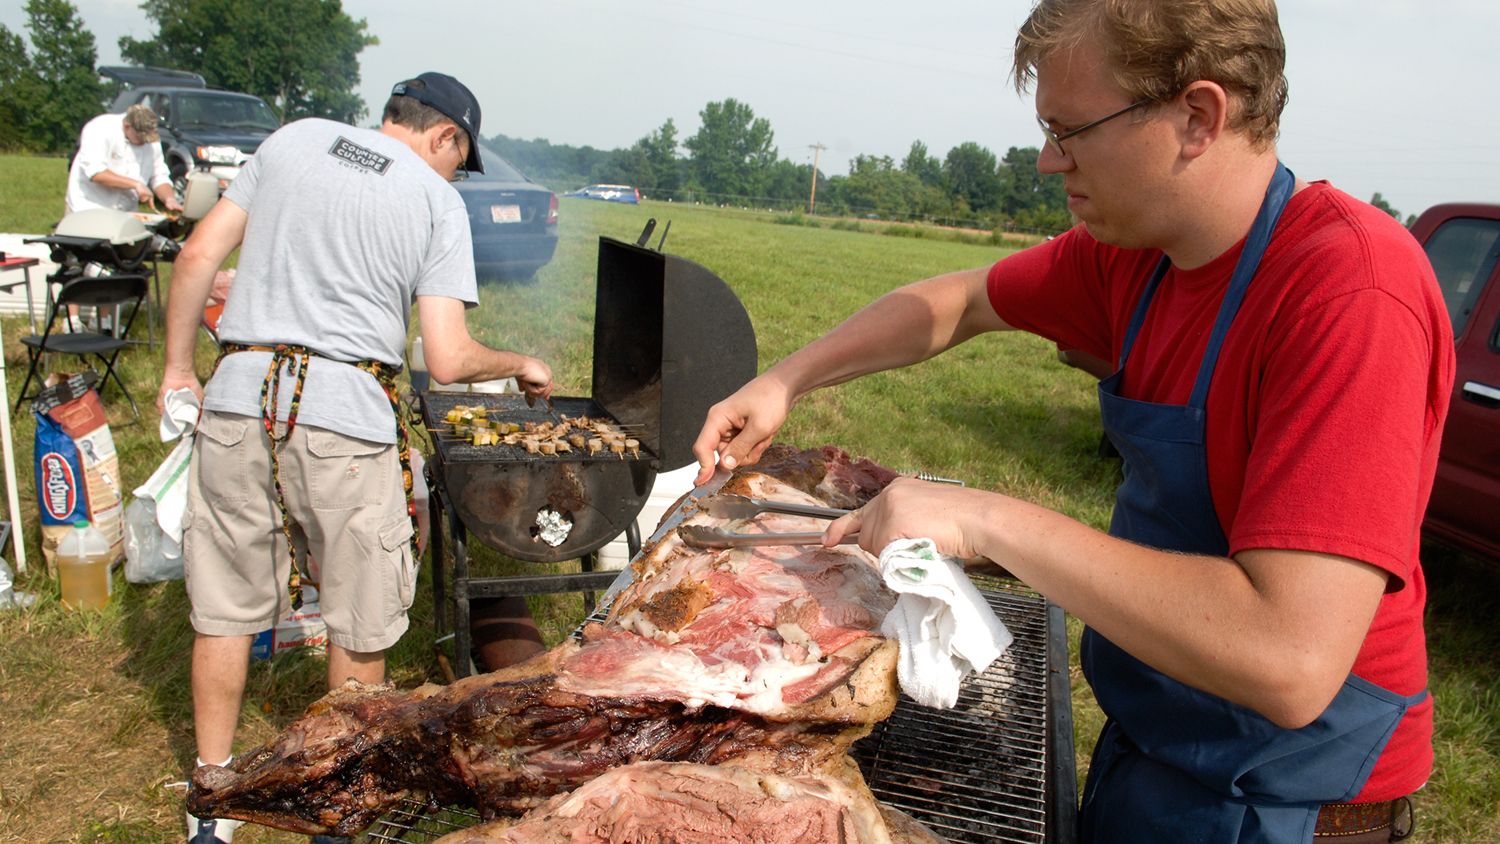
pixel 766 657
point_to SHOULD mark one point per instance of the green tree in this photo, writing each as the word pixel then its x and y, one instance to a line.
pixel 627 166
pixel 876 184
pixel 1379 202
pixel 660 149
pixel 789 181
pixel 973 174
pixel 559 166
pixel 58 88
pixel 1026 188
pixel 18 90
pixel 927 168
pixel 732 150
pixel 301 56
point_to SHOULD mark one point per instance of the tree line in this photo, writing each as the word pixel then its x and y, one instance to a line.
pixel 732 160
pixel 300 56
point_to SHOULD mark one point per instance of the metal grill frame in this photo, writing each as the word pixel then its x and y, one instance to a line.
pixel 998 767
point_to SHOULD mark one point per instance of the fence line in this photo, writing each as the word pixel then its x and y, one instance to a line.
pixel 798 206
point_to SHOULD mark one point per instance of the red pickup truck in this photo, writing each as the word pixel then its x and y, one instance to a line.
pixel 1463 243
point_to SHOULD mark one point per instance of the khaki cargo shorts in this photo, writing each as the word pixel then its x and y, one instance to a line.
pixel 348 509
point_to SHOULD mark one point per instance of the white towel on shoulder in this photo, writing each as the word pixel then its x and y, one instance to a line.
pixel 944 626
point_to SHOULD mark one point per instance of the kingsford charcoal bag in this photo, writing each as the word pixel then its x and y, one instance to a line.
pixel 77 469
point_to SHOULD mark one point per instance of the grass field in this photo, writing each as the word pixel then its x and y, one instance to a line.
pixel 95 710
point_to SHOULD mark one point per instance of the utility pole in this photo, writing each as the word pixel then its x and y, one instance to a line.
pixel 812 200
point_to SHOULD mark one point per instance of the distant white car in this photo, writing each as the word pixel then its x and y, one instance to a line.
pixel 608 193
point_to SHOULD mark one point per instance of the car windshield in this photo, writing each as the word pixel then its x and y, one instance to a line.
pixel 218 110
pixel 496 169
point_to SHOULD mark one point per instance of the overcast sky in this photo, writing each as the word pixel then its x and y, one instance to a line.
pixel 1395 96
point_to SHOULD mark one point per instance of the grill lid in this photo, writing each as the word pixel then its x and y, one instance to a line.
pixel 670 340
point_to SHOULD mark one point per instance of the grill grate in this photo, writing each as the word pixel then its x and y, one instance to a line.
pixel 512 408
pixel 974 773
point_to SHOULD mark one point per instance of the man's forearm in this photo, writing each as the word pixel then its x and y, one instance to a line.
pixel 1273 630
pixel 477 362
pixel 192 280
pixel 111 179
pixel 211 242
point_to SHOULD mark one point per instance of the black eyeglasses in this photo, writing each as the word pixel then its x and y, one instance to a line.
pixel 462 171
pixel 1056 140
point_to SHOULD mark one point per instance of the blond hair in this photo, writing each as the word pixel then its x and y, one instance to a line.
pixel 1159 47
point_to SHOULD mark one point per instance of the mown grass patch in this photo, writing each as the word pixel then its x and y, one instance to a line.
pixel 32 190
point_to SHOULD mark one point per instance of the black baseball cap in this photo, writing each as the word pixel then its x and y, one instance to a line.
pixel 449 96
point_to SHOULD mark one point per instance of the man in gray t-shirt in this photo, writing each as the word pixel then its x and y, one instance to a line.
pixel 340 230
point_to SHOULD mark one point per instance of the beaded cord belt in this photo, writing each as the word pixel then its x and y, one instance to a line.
pixel 298 356
pixel 1345 819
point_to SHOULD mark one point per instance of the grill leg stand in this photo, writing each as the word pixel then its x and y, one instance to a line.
pixel 587 562
pixel 463 639
pixel 439 576
pixel 1062 772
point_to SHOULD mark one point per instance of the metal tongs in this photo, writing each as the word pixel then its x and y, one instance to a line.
pixel 727 506
pixel 703 536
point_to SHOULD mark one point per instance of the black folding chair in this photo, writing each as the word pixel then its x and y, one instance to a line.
pixel 108 291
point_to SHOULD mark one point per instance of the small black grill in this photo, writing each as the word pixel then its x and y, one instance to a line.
pixel 670 340
pixel 496 491
pixel 998 767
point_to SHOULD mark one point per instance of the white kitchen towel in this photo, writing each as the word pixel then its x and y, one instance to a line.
pixel 181 415
pixel 944 626
pixel 167 486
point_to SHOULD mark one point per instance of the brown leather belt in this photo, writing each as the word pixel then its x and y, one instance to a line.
pixel 1341 819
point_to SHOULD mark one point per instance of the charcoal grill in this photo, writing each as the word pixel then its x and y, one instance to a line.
pixel 998 767
pixel 670 340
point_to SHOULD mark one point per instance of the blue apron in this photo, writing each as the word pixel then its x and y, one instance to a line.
pixel 1175 764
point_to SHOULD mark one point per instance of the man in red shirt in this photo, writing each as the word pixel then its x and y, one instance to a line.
pixel 1255 611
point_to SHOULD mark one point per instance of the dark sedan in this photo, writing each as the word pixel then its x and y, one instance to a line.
pixel 513 220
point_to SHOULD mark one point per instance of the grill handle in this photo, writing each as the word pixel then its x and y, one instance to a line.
pixel 646 232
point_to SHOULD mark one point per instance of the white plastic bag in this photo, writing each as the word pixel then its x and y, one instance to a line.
pixel 9 598
pixel 146 546
pixel 153 522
